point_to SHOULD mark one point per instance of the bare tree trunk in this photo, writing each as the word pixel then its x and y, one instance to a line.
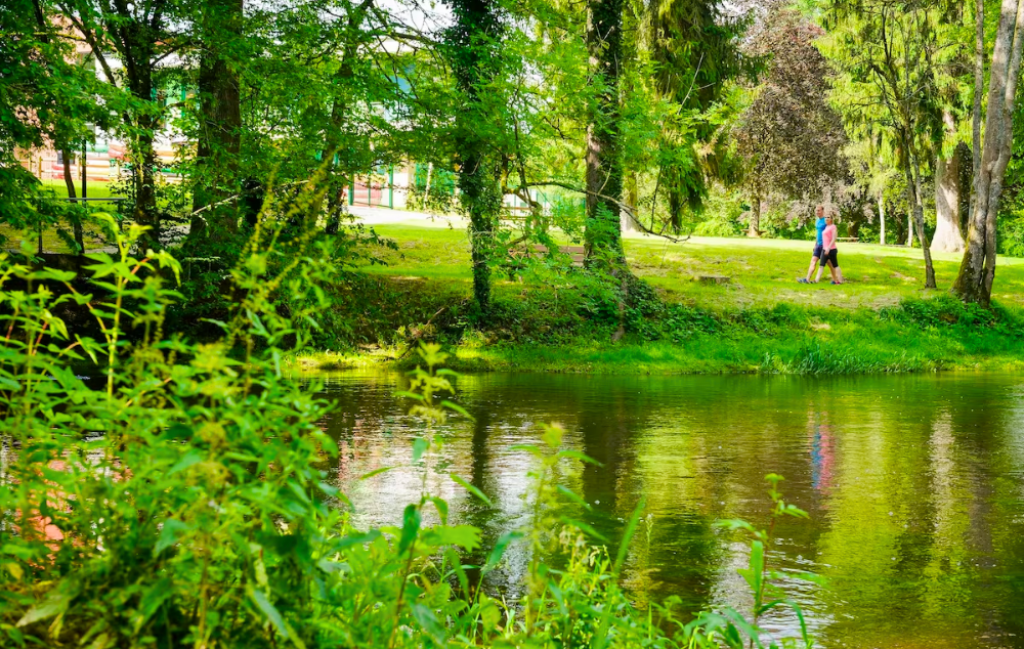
pixel 144 181
pixel 913 172
pixel 881 217
pixel 633 197
pixel 755 217
pixel 979 89
pixel 69 182
pixel 947 206
pixel 426 190
pixel 978 268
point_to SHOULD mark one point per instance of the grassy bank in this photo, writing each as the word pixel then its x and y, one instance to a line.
pixel 553 319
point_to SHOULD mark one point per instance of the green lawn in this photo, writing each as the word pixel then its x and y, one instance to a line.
pixel 52 242
pixel 762 272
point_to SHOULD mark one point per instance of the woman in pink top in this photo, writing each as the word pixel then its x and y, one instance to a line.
pixel 830 253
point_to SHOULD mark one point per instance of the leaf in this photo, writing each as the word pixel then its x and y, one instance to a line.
pixel 327 489
pixel 460 573
pixel 169 535
pixel 627 537
pixel 573 496
pixel 419 447
pixel 457 408
pixel 270 611
pixel 466 537
pixel 356 539
pixel 375 472
pixel 410 528
pixel 191 458
pixel 584 527
pixel 471 489
pixel 442 508
pixel 498 551
pixel 576 455
pixel 55 603
pixel 429 622
pixel 151 601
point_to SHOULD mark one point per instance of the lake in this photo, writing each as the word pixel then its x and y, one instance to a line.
pixel 914 486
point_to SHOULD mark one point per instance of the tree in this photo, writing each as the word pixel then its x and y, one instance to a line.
pixel 47 98
pixel 144 37
pixel 789 137
pixel 977 270
pixel 694 51
pixel 473 47
pixel 891 54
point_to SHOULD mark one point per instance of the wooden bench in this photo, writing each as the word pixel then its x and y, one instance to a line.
pixel 848 239
pixel 578 254
pixel 712 279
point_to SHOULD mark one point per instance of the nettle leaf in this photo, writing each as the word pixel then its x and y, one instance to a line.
pixel 471 489
pixel 270 611
pixel 155 596
pixel 498 551
pixel 464 536
pixel 419 447
pixel 191 458
pixel 411 521
pixel 55 603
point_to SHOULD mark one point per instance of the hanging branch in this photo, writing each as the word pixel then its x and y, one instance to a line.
pixel 621 205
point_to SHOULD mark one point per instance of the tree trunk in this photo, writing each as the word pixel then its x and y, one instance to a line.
pixel 220 139
pixel 604 170
pixel 144 182
pixel 947 206
pixel 913 173
pixel 881 218
pixel 755 217
pixel 978 268
pixel 979 89
pixel 138 43
pixel 69 183
pixel 675 206
pixel 626 221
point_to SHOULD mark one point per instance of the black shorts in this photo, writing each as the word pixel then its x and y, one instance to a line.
pixel 818 249
pixel 833 257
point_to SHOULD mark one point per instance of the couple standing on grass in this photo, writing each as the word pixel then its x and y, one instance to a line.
pixel 825 251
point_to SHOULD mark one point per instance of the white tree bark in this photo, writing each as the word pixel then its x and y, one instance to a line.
pixel 947 206
pixel 881 217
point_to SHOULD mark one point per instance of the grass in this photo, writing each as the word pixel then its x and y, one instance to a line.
pixel 762 272
pixel 762 321
pixel 52 242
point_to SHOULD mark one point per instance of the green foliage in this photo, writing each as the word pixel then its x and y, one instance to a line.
pixel 175 494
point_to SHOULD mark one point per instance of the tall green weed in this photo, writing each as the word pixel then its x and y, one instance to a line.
pixel 176 494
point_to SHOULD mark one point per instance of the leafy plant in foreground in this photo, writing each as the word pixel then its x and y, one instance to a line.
pixel 165 494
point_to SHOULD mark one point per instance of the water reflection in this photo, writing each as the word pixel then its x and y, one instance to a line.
pixel 915 486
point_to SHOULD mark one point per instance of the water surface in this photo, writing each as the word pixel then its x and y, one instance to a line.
pixel 914 485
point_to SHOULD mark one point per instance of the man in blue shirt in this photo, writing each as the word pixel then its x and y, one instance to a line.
pixel 820 226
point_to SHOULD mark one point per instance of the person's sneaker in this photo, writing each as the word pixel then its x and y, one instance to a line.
pixel 835 283
pixel 803 280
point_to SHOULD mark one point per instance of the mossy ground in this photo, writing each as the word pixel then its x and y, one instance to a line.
pixel 553 318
